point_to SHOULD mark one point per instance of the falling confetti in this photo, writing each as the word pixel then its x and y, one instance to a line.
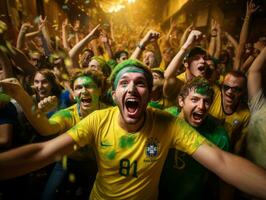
pixel 3 26
pixel 64 162
pixel 68 62
pixel 71 178
pixel 65 7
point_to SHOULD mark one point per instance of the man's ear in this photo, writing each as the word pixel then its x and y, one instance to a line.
pixel 113 96
pixel 186 65
pixel 180 101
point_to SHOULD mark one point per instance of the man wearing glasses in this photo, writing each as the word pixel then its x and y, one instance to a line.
pixel 226 104
pixel 229 108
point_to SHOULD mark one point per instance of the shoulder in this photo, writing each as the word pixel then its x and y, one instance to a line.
pixel 182 76
pixel 159 115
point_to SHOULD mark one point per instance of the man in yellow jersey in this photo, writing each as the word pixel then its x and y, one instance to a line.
pixel 226 104
pixel 228 108
pixel 131 143
pixel 81 164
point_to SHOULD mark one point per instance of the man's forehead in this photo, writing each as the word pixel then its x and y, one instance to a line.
pixel 230 79
pixel 133 75
pixel 199 92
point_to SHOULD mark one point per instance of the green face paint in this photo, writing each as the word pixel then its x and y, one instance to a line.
pixel 204 90
pixel 88 83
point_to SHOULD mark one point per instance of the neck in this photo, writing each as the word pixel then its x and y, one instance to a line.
pixel 132 128
pixel 83 113
pixel 188 74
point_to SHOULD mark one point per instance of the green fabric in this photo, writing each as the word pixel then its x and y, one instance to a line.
pixel 155 104
pixel 190 182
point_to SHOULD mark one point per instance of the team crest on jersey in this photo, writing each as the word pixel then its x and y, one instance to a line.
pixel 236 122
pixel 152 148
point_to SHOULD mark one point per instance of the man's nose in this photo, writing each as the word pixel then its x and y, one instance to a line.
pixel 201 105
pixel 131 87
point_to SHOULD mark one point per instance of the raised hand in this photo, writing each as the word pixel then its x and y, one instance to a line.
pixel 193 37
pixel 47 104
pixel 150 37
pixel 42 22
pixel 251 8
pixel 95 32
pixel 10 86
pixel 25 27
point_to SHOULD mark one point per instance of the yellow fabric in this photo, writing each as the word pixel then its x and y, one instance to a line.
pixel 66 118
pixel 130 164
pixel 236 124
pixel 182 77
pixel 162 65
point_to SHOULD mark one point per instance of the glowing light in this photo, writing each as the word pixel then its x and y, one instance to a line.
pixel 116 8
pixel 131 1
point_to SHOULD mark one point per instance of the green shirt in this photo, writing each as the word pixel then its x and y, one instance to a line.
pixel 182 176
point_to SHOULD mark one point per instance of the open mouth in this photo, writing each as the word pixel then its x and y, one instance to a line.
pixel 132 105
pixel 201 69
pixel 86 101
pixel 198 116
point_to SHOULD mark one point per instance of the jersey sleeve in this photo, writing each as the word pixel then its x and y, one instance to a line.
pixel 63 119
pixel 186 138
pixel 83 132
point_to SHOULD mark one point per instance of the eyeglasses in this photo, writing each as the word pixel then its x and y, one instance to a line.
pixel 234 89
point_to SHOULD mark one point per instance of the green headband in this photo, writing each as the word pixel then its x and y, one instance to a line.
pixel 126 70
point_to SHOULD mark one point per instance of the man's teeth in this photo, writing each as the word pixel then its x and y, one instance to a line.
pixel 131 100
pixel 198 115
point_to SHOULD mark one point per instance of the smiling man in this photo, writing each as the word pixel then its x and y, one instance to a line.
pixel 131 143
pixel 229 108
pixel 87 90
pixel 182 176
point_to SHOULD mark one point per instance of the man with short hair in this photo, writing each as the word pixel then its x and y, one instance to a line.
pixel 229 108
pixel 131 143
pixel 226 102
pixel 182 176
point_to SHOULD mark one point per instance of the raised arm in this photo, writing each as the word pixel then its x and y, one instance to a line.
pixel 22 61
pixel 65 34
pixel 233 169
pixel 76 50
pixel 150 37
pixel 37 118
pixel 106 44
pixel 218 47
pixel 45 37
pixel 232 40
pixel 213 34
pixel 22 33
pixel 6 65
pixel 171 82
pixel 185 34
pixel 251 8
pixel 31 157
pixel 255 74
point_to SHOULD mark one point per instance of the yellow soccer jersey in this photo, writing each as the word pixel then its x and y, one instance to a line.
pixel 130 164
pixel 66 118
pixel 235 124
pixel 182 77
